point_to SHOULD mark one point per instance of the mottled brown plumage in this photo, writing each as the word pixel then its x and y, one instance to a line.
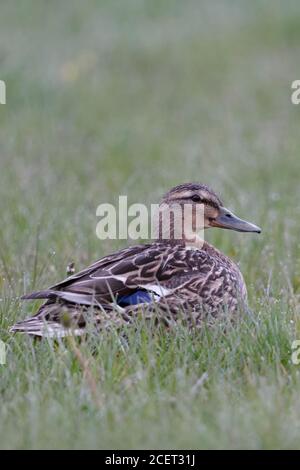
pixel 169 279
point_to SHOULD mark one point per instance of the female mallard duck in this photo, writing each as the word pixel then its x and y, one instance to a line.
pixel 170 278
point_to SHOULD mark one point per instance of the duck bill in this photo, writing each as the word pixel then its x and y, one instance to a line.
pixel 226 219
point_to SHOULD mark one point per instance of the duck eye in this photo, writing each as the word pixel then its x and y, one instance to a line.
pixel 196 198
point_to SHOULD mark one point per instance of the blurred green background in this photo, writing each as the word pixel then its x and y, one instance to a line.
pixel 132 97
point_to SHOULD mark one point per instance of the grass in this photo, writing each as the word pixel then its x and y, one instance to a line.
pixel 107 98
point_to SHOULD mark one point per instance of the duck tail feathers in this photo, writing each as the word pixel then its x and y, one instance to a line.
pixel 42 294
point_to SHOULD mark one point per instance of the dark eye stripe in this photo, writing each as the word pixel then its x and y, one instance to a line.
pixel 203 201
pixel 188 198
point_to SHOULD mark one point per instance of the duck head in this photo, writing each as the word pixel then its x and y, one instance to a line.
pixel 200 199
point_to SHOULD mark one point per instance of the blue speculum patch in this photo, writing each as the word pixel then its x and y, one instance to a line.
pixel 138 297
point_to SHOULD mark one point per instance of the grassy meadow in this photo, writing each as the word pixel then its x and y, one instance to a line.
pixel 132 97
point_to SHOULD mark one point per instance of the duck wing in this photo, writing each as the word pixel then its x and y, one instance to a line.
pixel 162 276
pixel 117 276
